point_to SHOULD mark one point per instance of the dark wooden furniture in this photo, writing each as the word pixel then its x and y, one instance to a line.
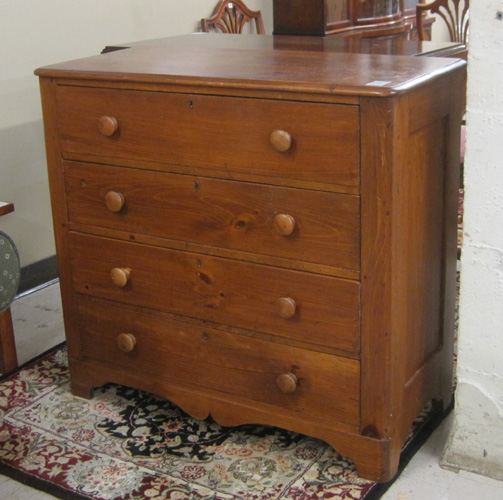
pixel 347 17
pixel 231 16
pixel 264 236
pixel 453 12
pixel 355 18
pixel 8 355
pixel 6 208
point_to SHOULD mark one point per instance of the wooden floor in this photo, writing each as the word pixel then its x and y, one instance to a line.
pixel 38 326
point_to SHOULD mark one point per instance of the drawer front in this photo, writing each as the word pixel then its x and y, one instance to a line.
pixel 226 134
pixel 310 226
pixel 192 356
pixel 312 308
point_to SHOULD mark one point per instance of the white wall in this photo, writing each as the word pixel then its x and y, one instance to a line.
pixel 476 441
pixel 34 33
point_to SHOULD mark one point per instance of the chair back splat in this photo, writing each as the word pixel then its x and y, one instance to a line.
pixel 231 17
pixel 453 12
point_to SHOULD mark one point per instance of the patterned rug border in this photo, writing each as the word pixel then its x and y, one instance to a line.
pixel 30 362
pixel 375 493
pixel 24 477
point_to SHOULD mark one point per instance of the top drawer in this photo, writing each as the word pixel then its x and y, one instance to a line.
pixel 228 135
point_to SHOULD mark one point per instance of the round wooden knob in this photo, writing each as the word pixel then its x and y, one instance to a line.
pixel 286 307
pixel 287 382
pixel 114 201
pixel 284 224
pixel 108 125
pixel 126 342
pixel 120 276
pixel 281 140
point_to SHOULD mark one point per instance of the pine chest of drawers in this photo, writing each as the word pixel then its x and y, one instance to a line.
pixel 265 236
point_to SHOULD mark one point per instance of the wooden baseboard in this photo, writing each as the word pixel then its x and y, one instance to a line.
pixel 37 274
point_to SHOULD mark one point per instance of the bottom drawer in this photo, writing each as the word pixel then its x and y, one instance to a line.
pixel 322 386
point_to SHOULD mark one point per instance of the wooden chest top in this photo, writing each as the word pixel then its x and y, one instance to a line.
pixel 260 68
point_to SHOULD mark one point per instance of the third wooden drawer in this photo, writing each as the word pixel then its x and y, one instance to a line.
pixel 296 305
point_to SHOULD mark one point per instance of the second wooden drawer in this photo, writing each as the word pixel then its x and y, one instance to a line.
pixel 303 225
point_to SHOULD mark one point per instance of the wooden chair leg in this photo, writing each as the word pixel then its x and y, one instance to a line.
pixel 8 356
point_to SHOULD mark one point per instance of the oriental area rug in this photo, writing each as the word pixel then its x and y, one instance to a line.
pixel 131 445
